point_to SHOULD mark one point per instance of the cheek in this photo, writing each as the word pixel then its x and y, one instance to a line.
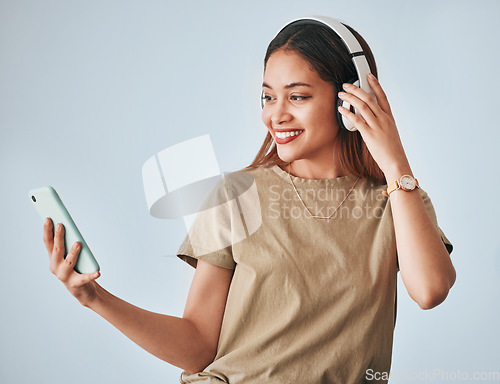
pixel 326 121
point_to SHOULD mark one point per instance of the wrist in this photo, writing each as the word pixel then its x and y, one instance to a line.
pixel 396 173
pixel 406 183
pixel 91 296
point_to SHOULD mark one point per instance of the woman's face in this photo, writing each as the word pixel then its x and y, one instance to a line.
pixel 299 109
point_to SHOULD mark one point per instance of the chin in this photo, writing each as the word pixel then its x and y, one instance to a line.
pixel 287 156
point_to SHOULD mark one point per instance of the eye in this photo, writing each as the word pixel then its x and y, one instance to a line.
pixel 266 98
pixel 299 98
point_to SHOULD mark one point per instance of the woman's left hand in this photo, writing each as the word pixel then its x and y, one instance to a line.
pixel 377 127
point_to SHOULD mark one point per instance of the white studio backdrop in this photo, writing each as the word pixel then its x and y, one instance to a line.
pixel 89 90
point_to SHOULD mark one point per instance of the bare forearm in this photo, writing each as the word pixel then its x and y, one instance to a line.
pixel 172 339
pixel 424 262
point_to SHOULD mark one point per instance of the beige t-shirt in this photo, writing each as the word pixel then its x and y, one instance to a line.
pixel 311 300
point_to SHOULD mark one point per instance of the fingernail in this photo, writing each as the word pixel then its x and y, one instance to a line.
pixel 342 94
pixel 372 77
pixel 76 246
pixel 96 274
pixel 47 221
pixel 59 227
pixel 346 85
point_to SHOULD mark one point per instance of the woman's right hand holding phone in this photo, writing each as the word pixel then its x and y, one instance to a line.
pixel 81 286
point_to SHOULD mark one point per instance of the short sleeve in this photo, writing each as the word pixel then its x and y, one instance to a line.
pixel 432 214
pixel 209 236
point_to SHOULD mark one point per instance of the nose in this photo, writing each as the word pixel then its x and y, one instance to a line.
pixel 280 113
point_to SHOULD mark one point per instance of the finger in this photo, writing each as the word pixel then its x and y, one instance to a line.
pixel 67 267
pixel 58 251
pixel 361 108
pixel 81 279
pixel 48 234
pixel 358 122
pixel 382 100
pixel 351 89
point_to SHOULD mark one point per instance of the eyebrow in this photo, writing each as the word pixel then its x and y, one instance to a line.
pixel 288 86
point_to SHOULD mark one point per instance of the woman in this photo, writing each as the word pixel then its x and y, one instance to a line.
pixel 307 294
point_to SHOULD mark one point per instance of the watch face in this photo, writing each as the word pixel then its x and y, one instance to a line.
pixel 408 183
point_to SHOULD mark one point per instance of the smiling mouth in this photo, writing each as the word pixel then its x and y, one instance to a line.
pixel 287 136
pixel 284 135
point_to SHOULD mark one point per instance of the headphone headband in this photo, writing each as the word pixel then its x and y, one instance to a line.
pixel 340 29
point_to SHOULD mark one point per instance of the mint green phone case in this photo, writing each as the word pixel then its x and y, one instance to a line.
pixel 48 204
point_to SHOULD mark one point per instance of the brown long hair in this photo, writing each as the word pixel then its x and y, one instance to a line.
pixel 327 54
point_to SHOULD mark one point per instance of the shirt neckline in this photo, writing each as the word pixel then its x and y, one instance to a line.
pixel 341 181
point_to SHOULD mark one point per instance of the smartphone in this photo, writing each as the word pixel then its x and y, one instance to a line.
pixel 48 204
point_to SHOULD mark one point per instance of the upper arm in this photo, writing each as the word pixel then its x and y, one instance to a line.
pixel 206 301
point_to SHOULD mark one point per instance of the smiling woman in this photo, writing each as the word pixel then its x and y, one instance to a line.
pixel 312 297
pixel 304 291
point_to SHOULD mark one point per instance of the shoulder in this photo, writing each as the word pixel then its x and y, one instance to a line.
pixel 256 171
pixel 244 178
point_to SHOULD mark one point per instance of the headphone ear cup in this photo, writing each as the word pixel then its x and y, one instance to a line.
pixel 347 124
pixel 344 123
pixel 340 117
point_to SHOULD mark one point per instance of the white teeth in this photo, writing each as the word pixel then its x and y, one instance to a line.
pixel 284 135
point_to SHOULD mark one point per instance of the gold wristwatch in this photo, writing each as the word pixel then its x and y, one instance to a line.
pixel 406 183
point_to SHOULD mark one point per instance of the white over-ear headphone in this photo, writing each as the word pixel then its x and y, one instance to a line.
pixel 358 58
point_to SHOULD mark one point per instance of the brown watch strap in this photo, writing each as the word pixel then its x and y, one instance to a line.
pixel 395 186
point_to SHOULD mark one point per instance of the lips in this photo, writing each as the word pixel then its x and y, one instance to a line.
pixel 287 135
